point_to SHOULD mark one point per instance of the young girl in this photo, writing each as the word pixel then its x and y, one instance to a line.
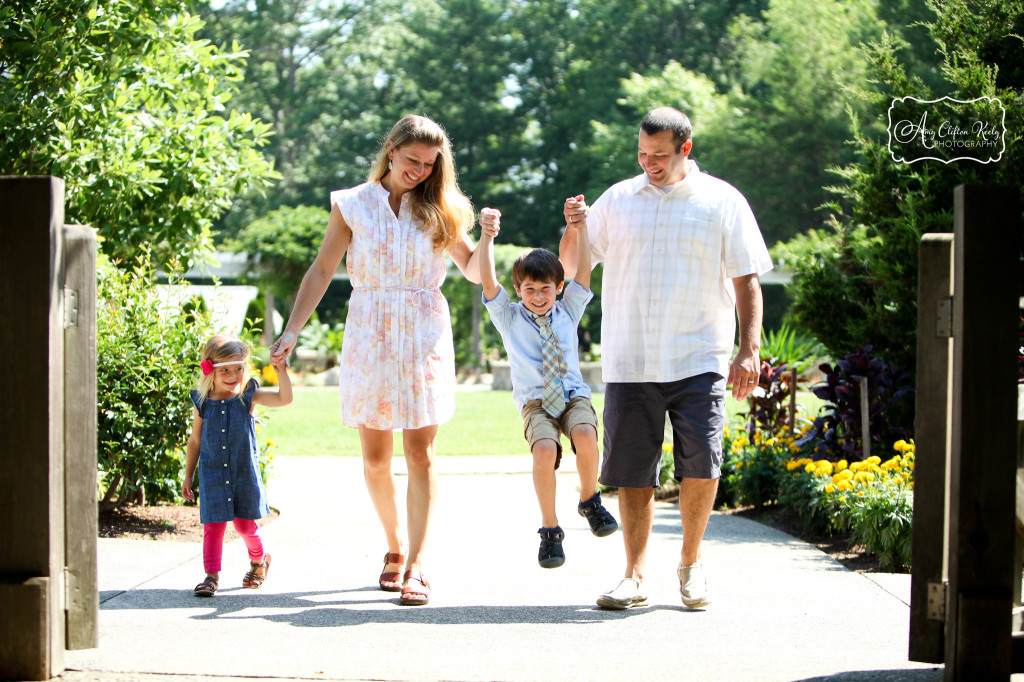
pixel 223 444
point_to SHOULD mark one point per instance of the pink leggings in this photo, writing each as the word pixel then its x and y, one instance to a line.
pixel 213 542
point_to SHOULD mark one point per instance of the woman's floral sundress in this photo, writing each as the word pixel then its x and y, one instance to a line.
pixel 397 358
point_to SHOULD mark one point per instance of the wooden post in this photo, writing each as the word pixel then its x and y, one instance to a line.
pixel 81 525
pixel 986 223
pixel 32 444
pixel 931 438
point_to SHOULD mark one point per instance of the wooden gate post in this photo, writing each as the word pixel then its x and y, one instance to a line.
pixel 81 524
pixel 32 440
pixel 983 438
pixel 931 438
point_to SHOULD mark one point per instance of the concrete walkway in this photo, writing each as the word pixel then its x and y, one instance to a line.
pixel 782 609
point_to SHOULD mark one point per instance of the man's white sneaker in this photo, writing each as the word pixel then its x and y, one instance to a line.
pixel 626 595
pixel 693 586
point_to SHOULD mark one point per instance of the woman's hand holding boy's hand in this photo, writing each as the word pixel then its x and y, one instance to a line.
pixel 490 222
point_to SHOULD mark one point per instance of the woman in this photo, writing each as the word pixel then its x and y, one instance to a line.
pixel 398 362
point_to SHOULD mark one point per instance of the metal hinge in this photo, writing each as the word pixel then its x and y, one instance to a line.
pixel 70 307
pixel 944 317
pixel 937 601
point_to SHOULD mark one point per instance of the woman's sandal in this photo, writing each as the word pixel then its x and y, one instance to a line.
pixel 388 580
pixel 252 579
pixel 412 597
pixel 206 588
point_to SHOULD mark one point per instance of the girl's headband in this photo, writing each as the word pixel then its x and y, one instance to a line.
pixel 208 365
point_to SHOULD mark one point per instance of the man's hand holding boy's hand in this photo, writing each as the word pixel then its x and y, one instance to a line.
pixel 575 211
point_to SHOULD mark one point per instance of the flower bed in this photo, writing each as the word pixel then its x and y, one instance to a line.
pixel 871 501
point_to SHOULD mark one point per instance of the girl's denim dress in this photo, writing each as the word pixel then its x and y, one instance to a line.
pixel 230 486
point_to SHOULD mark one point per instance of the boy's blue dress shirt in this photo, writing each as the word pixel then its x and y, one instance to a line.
pixel 522 340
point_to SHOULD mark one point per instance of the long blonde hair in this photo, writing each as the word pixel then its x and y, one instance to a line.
pixel 437 201
pixel 218 349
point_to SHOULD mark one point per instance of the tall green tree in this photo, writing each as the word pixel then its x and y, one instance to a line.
pixel 455 70
pixel 796 66
pixel 861 288
pixel 572 58
pixel 120 99
pixel 316 72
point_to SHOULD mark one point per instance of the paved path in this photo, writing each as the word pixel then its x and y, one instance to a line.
pixel 782 609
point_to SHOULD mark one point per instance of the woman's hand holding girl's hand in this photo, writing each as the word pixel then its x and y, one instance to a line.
pixel 490 222
pixel 279 362
pixel 281 349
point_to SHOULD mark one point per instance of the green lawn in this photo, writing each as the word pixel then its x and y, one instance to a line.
pixel 485 423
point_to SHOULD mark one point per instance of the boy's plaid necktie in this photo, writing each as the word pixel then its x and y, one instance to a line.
pixel 554 367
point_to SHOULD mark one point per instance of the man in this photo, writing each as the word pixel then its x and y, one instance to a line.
pixel 682 256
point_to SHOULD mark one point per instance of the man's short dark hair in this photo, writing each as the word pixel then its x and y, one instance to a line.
pixel 667 118
pixel 539 265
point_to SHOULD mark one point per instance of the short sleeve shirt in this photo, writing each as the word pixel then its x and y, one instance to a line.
pixel 667 297
pixel 522 340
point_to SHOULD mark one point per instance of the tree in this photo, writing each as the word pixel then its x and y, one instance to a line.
pixel 120 99
pixel 861 289
pixel 281 246
pixel 313 73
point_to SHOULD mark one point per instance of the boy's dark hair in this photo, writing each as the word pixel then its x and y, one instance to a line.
pixel 667 118
pixel 539 265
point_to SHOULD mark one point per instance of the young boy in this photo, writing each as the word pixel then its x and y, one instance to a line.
pixel 538 278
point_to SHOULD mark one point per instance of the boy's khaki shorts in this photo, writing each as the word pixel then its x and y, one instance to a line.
pixel 538 424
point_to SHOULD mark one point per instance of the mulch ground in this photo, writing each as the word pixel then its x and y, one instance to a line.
pixel 161 522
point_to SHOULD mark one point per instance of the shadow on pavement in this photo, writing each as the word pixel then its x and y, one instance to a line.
pixel 316 609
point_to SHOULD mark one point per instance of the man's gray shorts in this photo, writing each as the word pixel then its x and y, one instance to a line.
pixel 634 429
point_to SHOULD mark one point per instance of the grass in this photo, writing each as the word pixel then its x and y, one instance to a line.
pixel 485 423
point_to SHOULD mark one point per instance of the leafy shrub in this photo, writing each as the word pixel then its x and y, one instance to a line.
pixel 323 338
pixel 770 401
pixel 148 352
pixel 870 499
pixel 754 464
pixel 785 347
pixel 837 431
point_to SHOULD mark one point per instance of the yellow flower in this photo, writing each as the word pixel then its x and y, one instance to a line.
pixel 844 485
pixel 874 459
pixel 830 489
pixel 824 467
pixel 270 442
pixel 270 374
pixel 841 465
pixel 739 465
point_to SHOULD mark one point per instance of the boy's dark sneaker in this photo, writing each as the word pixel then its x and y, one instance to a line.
pixel 551 554
pixel 602 523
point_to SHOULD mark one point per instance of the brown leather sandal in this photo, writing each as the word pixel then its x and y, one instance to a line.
pixel 252 579
pixel 388 580
pixel 207 588
pixel 411 596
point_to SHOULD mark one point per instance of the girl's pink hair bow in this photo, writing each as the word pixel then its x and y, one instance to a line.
pixel 207 366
